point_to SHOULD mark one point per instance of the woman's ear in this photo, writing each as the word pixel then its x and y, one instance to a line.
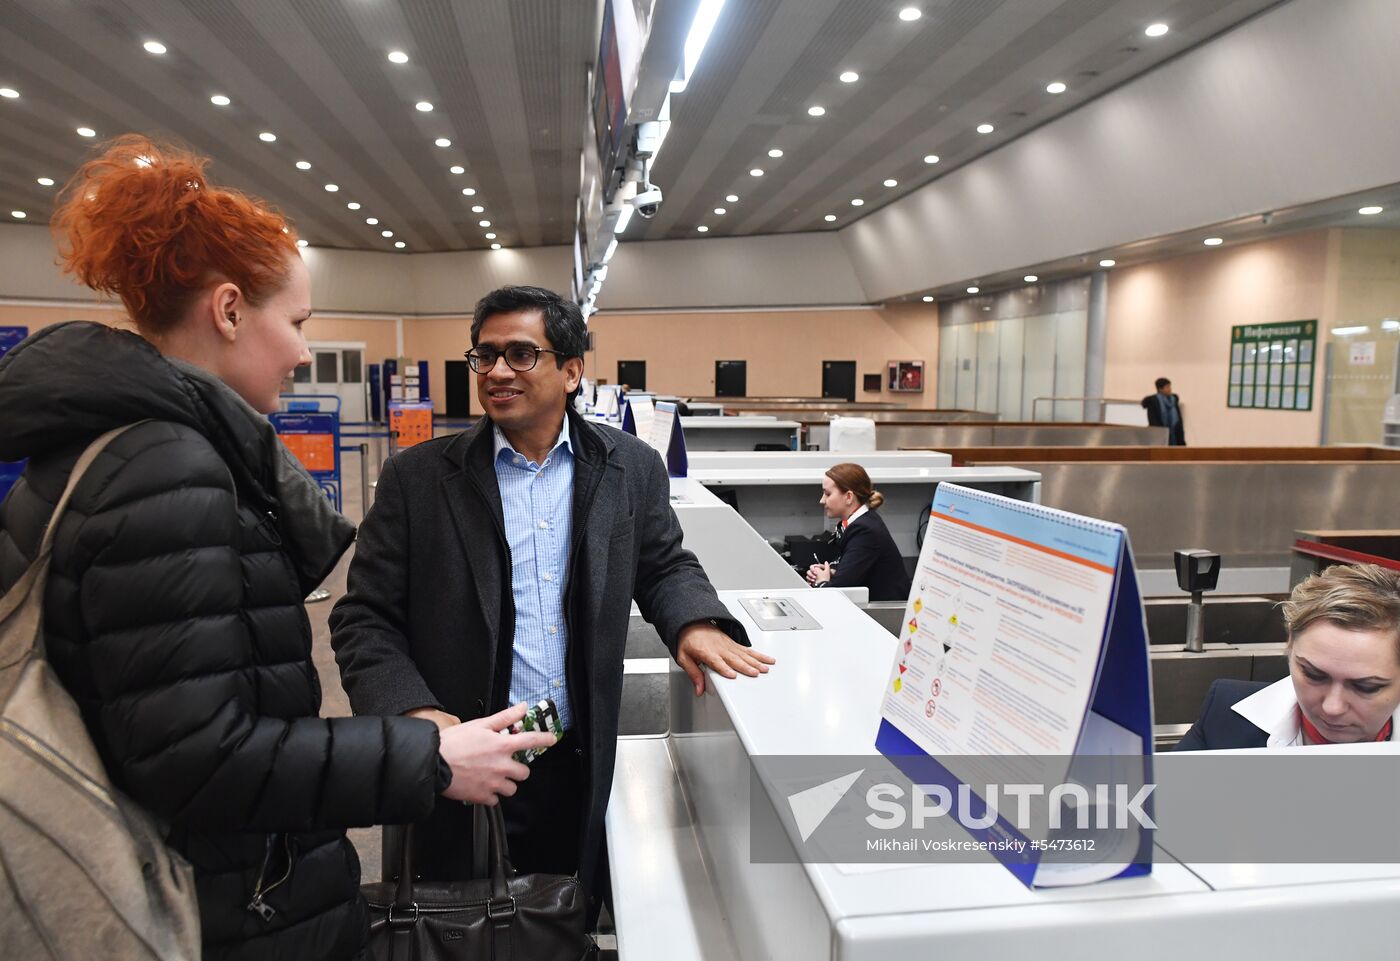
pixel 223 310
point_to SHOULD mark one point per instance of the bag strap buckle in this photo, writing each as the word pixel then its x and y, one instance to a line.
pixel 500 912
pixel 401 921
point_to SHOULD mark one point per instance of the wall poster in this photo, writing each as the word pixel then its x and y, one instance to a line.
pixel 1271 365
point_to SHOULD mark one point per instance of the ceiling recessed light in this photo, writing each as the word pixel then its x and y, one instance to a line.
pixel 352 205
pixel 483 223
pixel 732 198
pixel 219 100
pixel 928 298
pixel 816 111
pixel 457 169
pixel 1056 87
pixel 468 191
pixel 442 142
pixel 495 246
pixel 372 221
pixel 398 56
pixel 1030 278
pixel 9 93
pixel 18 214
pixel 910 14
pixel 721 211
pixel 386 233
pixel 756 172
pixel 303 165
pixel 1213 241
pixel 775 153
pixel 930 158
pixel 302 243
pixel 45 181
pixel 1370 211
pixel 857 202
pixel 332 188
pixel 985 128
pixel 850 76
pixel 154 46
pixel 1107 262
pixel 423 105
pixel 891 182
pixel 973 289
pixel 703 229
pixel 829 218
pixel 490 236
pixel 267 136
pixel 400 244
pixel 86 132
pixel 478 209
pixel 1157 30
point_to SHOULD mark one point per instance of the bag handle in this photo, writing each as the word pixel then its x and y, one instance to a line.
pixel 34 576
pixel 500 910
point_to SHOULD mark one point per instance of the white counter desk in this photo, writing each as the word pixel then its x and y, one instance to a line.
pixel 739 433
pixel 715 460
pixel 685 887
pixel 782 501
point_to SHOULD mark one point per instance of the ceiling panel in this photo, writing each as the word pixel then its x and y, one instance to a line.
pixel 507 79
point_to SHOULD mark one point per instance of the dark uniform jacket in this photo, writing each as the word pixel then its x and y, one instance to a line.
pixel 428 620
pixel 870 558
pixel 174 616
pixel 1219 728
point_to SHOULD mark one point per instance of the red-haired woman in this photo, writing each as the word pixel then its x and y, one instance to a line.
pixel 173 611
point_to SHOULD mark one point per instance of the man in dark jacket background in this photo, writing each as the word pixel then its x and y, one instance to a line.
pixel 1164 410
pixel 499 565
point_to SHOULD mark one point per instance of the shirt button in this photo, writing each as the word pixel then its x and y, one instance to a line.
pixel 556 684
pixel 544 525
pixel 553 629
pixel 549 577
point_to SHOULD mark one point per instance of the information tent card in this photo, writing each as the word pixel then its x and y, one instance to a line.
pixel 668 439
pixel 1022 659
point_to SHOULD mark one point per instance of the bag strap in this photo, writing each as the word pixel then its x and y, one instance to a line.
pixel 36 574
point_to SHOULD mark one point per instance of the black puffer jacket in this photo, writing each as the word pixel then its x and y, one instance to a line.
pixel 174 616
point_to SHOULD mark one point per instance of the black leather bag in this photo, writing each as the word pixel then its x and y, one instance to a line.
pixel 501 916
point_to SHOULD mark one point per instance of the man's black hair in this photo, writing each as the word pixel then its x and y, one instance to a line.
pixel 563 321
pixel 1161 381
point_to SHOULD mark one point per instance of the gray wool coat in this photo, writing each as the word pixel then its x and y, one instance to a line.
pixel 428 620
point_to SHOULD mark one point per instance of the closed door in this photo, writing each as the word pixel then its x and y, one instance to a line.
pixel 336 370
pixel 633 373
pixel 731 378
pixel 839 379
pixel 458 389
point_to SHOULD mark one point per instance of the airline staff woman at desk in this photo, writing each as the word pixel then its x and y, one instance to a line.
pixel 1344 671
pixel 869 557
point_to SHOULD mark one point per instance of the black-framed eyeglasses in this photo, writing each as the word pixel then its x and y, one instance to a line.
pixel 520 357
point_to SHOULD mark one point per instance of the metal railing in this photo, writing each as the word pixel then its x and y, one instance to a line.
pixel 1103 402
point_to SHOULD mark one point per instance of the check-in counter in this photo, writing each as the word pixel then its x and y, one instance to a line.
pixel 822 459
pixel 782 501
pixel 685 884
pixel 944 434
pixel 739 433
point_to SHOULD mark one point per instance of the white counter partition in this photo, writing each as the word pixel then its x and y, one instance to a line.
pixel 713 460
pixel 784 500
pixel 739 433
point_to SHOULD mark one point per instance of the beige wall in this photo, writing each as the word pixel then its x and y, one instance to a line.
pixel 439 339
pixel 1367 295
pixel 1173 318
pixel 784 349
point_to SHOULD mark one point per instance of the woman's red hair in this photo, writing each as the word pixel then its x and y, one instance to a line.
pixel 142 221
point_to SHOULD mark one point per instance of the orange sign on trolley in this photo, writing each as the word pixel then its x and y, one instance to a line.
pixel 315 451
pixel 411 423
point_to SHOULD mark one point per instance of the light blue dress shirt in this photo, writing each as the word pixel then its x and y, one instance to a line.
pixel 538 504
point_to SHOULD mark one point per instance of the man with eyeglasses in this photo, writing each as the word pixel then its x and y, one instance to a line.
pixel 499 566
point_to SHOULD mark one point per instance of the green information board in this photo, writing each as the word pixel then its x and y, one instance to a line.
pixel 1271 365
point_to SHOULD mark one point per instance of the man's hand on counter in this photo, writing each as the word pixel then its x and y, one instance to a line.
pixel 704 644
